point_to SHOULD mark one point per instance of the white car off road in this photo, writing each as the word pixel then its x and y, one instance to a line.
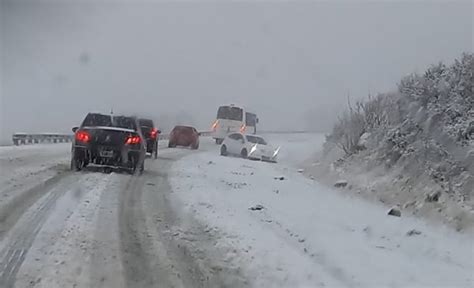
pixel 249 146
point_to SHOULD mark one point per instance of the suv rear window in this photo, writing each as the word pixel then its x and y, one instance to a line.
pixel 124 122
pixel 146 123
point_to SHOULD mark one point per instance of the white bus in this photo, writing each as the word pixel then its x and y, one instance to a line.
pixel 231 118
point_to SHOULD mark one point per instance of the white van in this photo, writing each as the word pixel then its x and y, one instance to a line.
pixel 231 118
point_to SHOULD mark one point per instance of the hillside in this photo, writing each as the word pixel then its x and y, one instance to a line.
pixel 413 148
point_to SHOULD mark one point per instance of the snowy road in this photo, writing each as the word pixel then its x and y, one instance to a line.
pixel 186 222
pixel 90 229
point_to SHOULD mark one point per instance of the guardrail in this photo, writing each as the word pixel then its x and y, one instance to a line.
pixel 25 138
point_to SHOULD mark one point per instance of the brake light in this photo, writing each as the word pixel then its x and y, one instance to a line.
pixel 154 133
pixel 132 140
pixel 214 126
pixel 83 136
pixel 242 128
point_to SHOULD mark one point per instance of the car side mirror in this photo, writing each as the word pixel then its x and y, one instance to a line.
pixel 158 131
pixel 256 121
pixel 74 129
pixel 199 133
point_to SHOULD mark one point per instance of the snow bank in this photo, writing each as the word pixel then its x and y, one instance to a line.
pixel 308 235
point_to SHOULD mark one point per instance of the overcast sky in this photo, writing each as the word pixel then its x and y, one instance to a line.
pixel 62 59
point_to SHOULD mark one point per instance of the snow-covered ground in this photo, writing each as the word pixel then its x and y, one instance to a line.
pixel 24 168
pixel 296 148
pixel 92 229
pixel 309 235
pixel 89 229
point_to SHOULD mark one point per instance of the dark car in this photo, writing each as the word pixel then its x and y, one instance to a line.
pixel 108 141
pixel 184 136
pixel 151 136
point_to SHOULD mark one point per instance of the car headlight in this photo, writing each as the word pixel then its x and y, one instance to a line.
pixel 276 152
pixel 253 149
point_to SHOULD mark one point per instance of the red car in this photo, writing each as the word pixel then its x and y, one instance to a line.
pixel 184 136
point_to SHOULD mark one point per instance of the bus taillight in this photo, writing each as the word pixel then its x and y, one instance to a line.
pixel 214 126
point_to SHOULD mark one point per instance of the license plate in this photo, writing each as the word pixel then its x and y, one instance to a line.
pixel 106 153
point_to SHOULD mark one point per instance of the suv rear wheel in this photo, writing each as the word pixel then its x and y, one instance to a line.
pixel 76 164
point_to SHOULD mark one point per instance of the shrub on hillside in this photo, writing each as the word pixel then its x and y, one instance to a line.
pixel 443 97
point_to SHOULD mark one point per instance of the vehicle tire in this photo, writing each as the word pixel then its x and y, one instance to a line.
pixel 132 164
pixel 76 164
pixel 244 153
pixel 219 141
pixel 195 146
pixel 224 150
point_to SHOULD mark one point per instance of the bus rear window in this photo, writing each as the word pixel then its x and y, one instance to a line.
pixel 250 119
pixel 230 113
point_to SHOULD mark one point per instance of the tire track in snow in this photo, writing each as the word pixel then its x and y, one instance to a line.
pixel 60 253
pixel 135 251
pixel 22 238
pixel 106 269
pixel 159 248
pixel 190 250
pixel 14 209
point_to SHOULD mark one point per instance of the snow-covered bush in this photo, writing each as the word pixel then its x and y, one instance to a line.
pixel 446 91
pixel 418 140
pixel 442 97
pixel 348 130
pixel 360 118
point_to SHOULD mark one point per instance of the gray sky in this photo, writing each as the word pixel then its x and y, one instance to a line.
pixel 60 60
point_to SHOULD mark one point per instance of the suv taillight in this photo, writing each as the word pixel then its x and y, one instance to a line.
pixel 133 140
pixel 83 136
pixel 154 133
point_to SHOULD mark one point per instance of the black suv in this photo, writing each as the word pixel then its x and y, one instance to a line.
pixel 151 136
